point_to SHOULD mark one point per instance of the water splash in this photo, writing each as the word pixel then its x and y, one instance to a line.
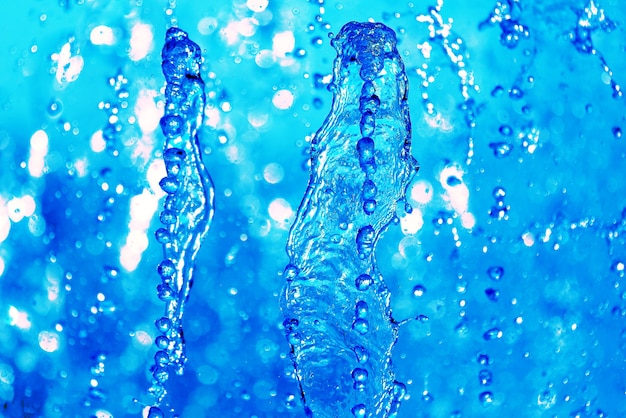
pixel 338 317
pixel 188 208
pixel 453 46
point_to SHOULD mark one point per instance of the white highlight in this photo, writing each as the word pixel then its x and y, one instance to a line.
pixel 38 151
pixel 142 209
pixel 422 192
pixel 412 222
pixel 68 66
pixel 97 142
pixel 280 210
pixel 283 99
pixel 141 41
pixel 257 5
pixel 102 35
pixel 19 319
pixel 147 111
pixel 457 193
pixel 283 43
pixel 48 341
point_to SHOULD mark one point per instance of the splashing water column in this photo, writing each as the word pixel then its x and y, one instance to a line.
pixel 337 307
pixel 188 208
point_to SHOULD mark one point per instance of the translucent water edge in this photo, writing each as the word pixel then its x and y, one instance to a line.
pixel 188 208
pixel 337 306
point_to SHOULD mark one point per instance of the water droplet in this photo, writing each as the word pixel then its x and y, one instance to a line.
pixel 419 290
pixel 362 354
pixel 369 206
pixel 169 185
pixel 163 324
pixel 369 190
pixel 498 193
pixel 361 309
pixel 162 342
pixel 155 412
pixel 166 269
pixel 483 359
pixel 167 217
pixel 495 272
pixel 485 377
pixel 161 358
pixel 492 334
pixel 291 272
pixel 365 148
pixel 501 149
pixel 359 411
pixel 506 130
pixel 492 294
pixel 363 282
pixel 160 374
pixel 364 241
pixel 617 132
pixel 361 326
pixel 486 398
pixel 165 293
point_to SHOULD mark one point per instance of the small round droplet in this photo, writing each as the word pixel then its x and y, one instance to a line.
pixel 167 217
pixel 495 272
pixel 161 358
pixel 162 342
pixel 361 353
pixel 163 324
pixel 617 132
pixel 359 411
pixel 363 282
pixel 492 294
pixel 483 359
pixel 485 377
pixel 162 236
pixel 492 334
pixel 361 309
pixel 166 269
pixel 419 290
pixel 486 398
pixel 290 272
pixel 361 326
pixel 169 185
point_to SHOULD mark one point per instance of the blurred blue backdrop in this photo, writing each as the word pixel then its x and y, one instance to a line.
pixel 515 249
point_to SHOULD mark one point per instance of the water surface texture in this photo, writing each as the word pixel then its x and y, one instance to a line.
pixel 510 251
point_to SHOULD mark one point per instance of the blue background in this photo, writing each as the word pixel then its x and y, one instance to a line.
pixel 76 317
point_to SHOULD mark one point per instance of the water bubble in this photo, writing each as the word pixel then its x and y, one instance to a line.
pixel 506 130
pixel 162 342
pixel 617 132
pixel 359 411
pixel 160 374
pixel 166 268
pixel 367 124
pixel 55 108
pixel 485 377
pixel 419 290
pixel 362 354
pixel 171 125
pixel 361 309
pixel 162 236
pixel 363 282
pixel 167 217
pixel 365 241
pixel 291 272
pixel 161 358
pixel 369 104
pixel 369 206
pixel 483 359
pixel 495 272
pixel 486 398
pixel 163 324
pixel 492 334
pixel 360 377
pixel 369 190
pixel 365 148
pixel 492 294
pixel 165 293
pixel 497 91
pixel 501 149
pixel 498 193
pixel 361 326
pixel 169 185
pixel 155 412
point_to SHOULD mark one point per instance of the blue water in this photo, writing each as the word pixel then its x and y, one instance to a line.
pixel 496 290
